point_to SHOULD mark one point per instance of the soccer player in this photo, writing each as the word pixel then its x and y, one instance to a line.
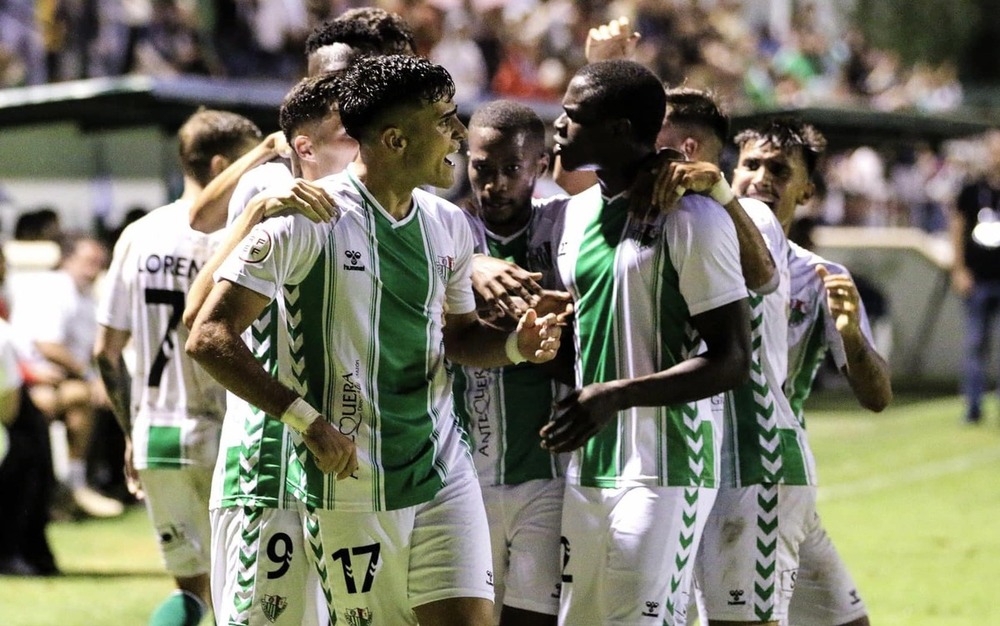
pixel 404 539
pixel 256 520
pixel 331 47
pixel 503 409
pixel 169 408
pixel 745 565
pixel 776 163
pixel 661 325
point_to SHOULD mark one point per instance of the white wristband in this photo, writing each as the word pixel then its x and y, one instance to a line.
pixel 721 192
pixel 513 352
pixel 299 415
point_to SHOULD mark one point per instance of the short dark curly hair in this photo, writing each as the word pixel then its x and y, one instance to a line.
pixel 310 100
pixel 369 29
pixel 787 133
pixel 375 84
pixel 509 116
pixel 626 89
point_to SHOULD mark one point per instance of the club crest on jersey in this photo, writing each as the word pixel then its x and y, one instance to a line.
pixel 798 311
pixel 445 266
pixel 273 606
pixel 256 246
pixel 358 617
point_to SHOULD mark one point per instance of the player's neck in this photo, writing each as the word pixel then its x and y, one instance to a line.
pixel 620 176
pixel 191 189
pixel 392 193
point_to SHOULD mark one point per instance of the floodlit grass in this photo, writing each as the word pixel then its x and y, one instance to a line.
pixel 909 496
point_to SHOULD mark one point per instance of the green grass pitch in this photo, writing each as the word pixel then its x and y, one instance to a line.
pixel 909 496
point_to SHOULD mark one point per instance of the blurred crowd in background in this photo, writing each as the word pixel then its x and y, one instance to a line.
pixel 529 49
pixel 493 48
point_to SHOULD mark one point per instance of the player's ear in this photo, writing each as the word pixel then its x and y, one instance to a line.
pixel 392 138
pixel 303 147
pixel 690 147
pixel 542 164
pixel 807 192
pixel 217 164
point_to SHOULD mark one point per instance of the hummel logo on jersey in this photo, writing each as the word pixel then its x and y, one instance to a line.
pixel 353 256
pixel 562 248
pixel 736 597
pixel 273 607
pixel 652 609
pixel 855 598
pixel 489 577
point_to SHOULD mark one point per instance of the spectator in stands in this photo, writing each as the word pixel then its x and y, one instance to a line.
pixel 42 224
pixel 975 275
pixel 26 477
pixel 57 318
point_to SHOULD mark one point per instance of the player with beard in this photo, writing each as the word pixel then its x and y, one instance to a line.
pixel 776 163
pixel 504 408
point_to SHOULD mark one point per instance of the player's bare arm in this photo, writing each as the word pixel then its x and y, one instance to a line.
pixel 208 211
pixel 108 350
pixel 866 370
pixel 723 366
pixel 674 178
pixel 299 195
pixel 215 343
pixel 469 341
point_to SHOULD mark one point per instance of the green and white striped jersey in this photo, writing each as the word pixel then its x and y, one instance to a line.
pixel 636 286
pixel 259 456
pixel 811 328
pixel 503 409
pixel 177 407
pixel 763 441
pixel 364 299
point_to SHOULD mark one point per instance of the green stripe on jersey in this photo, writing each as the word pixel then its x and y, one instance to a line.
pixel 802 374
pixel 408 278
pixel 596 324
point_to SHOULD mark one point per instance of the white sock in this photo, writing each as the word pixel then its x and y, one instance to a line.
pixel 77 474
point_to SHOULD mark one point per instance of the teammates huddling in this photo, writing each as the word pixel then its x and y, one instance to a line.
pixel 572 410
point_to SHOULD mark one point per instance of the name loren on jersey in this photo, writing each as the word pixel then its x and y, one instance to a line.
pixel 169 264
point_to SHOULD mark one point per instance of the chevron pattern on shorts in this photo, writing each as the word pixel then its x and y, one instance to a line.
pixel 317 555
pixel 246 567
pixel 684 559
pixel 765 576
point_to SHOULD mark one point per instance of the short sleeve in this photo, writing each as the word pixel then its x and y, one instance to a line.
pixel 276 252
pixel 702 245
pixel 114 308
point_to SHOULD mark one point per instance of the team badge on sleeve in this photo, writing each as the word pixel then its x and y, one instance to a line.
pixel 256 246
